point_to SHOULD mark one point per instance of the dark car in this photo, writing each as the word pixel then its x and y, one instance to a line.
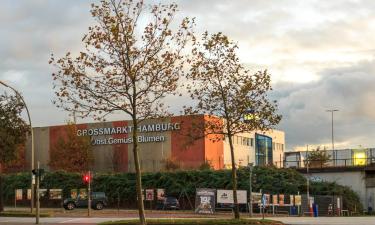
pixel 169 203
pixel 98 201
pixel 227 206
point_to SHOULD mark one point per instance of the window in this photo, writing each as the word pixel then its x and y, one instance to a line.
pixel 244 141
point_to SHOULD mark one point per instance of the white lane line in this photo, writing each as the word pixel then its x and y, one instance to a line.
pixel 71 220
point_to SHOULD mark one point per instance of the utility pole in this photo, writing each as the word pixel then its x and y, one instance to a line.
pixel 250 190
pixel 37 195
pixel 307 177
pixel 89 196
pixel 333 141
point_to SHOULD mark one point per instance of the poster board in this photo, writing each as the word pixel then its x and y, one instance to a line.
pixel 73 193
pixel 28 194
pixel 160 194
pixel 291 200
pixel 281 200
pixel 42 193
pixel 55 193
pixel 268 199
pixel 18 194
pixel 275 200
pixel 256 198
pixel 82 193
pixel 226 196
pixel 149 194
pixel 205 200
pixel 297 200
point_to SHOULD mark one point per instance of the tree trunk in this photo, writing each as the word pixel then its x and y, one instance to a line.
pixel 234 178
pixel 1 193
pixel 141 209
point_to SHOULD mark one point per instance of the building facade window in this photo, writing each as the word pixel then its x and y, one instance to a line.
pixel 263 150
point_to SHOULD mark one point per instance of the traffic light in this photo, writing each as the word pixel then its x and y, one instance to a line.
pixel 86 178
pixel 35 172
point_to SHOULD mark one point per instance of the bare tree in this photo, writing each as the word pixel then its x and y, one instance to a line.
pixel 228 93
pixel 125 66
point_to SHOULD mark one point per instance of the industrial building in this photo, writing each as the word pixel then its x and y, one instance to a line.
pixel 161 140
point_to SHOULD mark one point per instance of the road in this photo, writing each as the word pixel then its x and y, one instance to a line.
pixel 286 220
pixel 326 220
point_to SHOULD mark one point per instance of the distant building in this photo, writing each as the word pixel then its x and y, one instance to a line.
pixel 162 140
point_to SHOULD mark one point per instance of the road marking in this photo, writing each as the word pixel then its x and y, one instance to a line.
pixel 71 220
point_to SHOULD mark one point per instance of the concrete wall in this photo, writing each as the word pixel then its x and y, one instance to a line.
pixel 353 179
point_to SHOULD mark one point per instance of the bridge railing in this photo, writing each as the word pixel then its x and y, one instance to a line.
pixel 347 162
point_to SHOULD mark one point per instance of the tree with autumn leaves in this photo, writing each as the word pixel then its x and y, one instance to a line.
pixel 71 153
pixel 224 89
pixel 125 67
pixel 128 68
pixel 13 132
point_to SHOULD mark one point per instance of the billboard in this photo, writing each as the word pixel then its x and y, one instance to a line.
pixel 18 194
pixel 205 200
pixel 160 194
pixel 226 196
pixel 149 194
pixel 55 193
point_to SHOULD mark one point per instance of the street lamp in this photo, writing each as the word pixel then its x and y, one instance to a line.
pixel 250 165
pixel 333 143
pixel 32 140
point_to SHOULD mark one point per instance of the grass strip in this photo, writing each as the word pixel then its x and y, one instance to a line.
pixel 22 214
pixel 196 221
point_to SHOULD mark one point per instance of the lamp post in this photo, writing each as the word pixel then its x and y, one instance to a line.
pixel 308 177
pixel 333 142
pixel 32 140
pixel 250 165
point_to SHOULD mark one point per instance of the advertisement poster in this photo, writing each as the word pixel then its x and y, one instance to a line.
pixel 226 196
pixel 55 193
pixel 73 193
pixel 256 198
pixel 291 199
pixel 297 200
pixel 28 194
pixel 149 194
pixel 42 193
pixel 281 200
pixel 82 193
pixel 268 199
pixel 19 194
pixel 205 200
pixel 275 200
pixel 160 194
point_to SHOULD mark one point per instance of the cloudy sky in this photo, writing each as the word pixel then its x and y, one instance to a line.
pixel 320 54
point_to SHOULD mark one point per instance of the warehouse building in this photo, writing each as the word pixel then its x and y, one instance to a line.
pixel 161 141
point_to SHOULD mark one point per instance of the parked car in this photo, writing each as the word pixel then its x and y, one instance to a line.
pixel 98 201
pixel 227 206
pixel 168 203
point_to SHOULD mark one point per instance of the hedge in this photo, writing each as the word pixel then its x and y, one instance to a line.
pixel 122 185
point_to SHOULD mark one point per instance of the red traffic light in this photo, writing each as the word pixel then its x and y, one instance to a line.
pixel 86 178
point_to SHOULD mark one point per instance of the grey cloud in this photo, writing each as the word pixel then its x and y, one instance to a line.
pixel 349 89
pixel 31 30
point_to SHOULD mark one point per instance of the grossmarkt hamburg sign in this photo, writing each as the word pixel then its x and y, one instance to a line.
pixel 94 133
